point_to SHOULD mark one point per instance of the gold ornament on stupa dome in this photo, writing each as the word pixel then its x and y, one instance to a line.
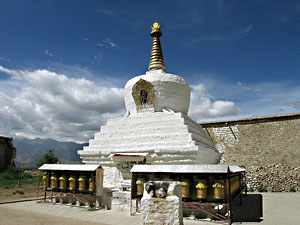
pixel 156 29
pixel 156 60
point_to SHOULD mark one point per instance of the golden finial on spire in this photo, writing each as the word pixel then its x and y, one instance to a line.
pixel 156 60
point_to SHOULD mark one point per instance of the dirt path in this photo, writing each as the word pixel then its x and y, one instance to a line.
pixel 11 216
pixel 279 209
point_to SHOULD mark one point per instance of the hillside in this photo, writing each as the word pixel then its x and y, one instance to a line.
pixel 29 151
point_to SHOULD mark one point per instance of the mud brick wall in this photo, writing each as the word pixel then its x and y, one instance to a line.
pixel 7 152
pixel 260 142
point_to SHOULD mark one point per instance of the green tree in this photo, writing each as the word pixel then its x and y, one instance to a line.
pixel 48 158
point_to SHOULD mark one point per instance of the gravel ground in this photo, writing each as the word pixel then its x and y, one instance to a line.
pixel 279 209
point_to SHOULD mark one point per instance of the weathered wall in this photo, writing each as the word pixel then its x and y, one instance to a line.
pixel 7 152
pixel 260 142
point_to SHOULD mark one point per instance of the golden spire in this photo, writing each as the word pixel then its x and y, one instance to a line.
pixel 156 60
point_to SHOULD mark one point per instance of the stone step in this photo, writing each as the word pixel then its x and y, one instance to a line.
pixel 141 117
pixel 174 157
pixel 142 137
pixel 150 126
pixel 181 139
pixel 200 140
pixel 145 117
pixel 166 149
pixel 156 128
pixel 145 123
pixel 145 145
pixel 186 117
pixel 169 156
pixel 196 126
pixel 165 158
pixel 148 146
pixel 179 161
pixel 192 123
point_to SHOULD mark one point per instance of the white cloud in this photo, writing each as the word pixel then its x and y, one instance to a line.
pixel 254 88
pixel 107 43
pixel 203 105
pixel 48 53
pixel 45 104
pixel 14 73
pixel 249 98
pixel 271 98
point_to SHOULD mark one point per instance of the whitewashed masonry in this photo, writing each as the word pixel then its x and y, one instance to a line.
pixel 155 130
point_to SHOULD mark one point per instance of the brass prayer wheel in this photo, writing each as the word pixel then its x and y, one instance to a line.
pixel 139 187
pixel 91 185
pixel 45 181
pixel 81 183
pixel 201 189
pixel 63 183
pixel 218 190
pixel 53 182
pixel 185 189
pixel 72 183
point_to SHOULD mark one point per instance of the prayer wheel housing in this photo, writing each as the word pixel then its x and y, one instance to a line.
pixel 199 183
pixel 73 178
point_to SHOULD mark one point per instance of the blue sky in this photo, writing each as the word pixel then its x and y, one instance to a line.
pixel 63 64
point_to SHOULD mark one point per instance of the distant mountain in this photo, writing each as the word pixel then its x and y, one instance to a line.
pixel 30 151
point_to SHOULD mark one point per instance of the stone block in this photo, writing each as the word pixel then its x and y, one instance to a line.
pixel 167 211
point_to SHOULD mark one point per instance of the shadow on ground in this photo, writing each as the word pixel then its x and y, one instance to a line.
pixel 248 209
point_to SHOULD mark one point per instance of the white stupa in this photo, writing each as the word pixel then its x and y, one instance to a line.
pixel 156 128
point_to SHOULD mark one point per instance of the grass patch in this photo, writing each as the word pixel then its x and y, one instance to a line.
pixel 10 178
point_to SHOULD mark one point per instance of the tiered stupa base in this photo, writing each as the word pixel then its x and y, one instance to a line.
pixel 160 137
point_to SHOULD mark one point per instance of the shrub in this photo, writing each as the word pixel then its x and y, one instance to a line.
pixel 292 189
pixel 262 188
pixel 20 192
pixel 48 158
pixel 27 176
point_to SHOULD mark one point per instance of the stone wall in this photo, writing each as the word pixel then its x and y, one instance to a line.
pixel 262 144
pixel 7 152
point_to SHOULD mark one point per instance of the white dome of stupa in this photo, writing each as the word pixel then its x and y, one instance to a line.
pixel 155 91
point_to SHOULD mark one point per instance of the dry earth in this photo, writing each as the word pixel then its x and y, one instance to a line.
pixel 16 217
pixel 278 209
pixel 11 194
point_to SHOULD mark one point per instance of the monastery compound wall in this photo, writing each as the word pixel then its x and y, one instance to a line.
pixel 7 152
pixel 268 146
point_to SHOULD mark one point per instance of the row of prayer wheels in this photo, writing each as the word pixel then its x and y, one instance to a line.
pixel 201 187
pixel 60 183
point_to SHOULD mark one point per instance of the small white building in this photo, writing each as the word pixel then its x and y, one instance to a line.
pixel 156 128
